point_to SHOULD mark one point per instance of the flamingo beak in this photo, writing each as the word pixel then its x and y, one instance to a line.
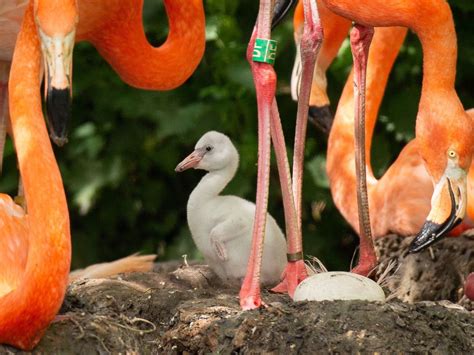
pixel 191 161
pixel 281 9
pixel 448 208
pixel 321 117
pixel 57 54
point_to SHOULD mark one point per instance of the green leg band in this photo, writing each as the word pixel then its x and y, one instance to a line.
pixel 264 51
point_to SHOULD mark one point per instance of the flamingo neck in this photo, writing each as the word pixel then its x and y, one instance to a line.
pixel 212 184
pixel 122 42
pixel 31 307
pixel 431 20
pixel 438 40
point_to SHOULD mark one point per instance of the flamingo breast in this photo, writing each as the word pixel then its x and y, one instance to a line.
pixel 13 244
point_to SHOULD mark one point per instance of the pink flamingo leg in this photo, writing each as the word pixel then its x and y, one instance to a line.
pixel 265 84
pixel 311 40
pixel 297 268
pixel 361 37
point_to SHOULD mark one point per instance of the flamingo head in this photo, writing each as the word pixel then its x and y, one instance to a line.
pixel 214 151
pixel 56 22
pixel 447 152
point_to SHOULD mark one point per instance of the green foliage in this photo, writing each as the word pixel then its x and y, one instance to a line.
pixel 118 167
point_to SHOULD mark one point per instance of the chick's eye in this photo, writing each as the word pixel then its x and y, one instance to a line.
pixel 208 148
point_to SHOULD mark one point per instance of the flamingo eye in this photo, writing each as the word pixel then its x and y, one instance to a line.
pixel 452 154
pixel 208 148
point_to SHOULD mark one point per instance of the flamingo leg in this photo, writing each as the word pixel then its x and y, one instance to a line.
pixel 361 37
pixel 295 271
pixel 265 84
pixel 310 44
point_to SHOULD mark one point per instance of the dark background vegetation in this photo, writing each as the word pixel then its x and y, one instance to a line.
pixel 118 167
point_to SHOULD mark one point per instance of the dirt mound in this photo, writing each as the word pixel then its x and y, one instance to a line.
pixel 184 309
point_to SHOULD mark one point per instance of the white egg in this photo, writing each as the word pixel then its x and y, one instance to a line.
pixel 338 285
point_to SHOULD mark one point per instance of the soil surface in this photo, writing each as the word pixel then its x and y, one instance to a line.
pixel 185 309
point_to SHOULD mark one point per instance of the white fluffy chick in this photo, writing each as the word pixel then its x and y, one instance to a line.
pixel 221 226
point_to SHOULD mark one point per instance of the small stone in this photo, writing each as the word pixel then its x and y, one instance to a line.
pixel 400 322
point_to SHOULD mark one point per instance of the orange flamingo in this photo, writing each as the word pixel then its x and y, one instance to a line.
pixel 448 160
pixel 407 219
pixel 115 28
pixel 400 200
pixel 35 248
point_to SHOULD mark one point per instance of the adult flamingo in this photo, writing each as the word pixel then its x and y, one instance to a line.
pixel 115 28
pixel 264 78
pixel 269 127
pixel 35 248
pixel 449 159
pixel 403 220
pixel 399 200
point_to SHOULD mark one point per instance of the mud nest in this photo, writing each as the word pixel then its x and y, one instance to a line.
pixel 184 309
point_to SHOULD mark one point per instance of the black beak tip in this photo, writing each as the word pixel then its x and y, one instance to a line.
pixel 321 117
pixel 59 141
pixel 428 235
pixel 282 7
pixel 58 108
pixel 431 233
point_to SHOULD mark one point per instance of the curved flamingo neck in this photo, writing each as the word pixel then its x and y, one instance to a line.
pixel 27 311
pixel 438 40
pixel 119 37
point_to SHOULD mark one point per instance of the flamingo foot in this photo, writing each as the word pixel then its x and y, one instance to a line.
pixel 365 267
pixel 294 273
pixel 250 297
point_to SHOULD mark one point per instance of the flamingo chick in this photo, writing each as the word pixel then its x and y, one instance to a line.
pixel 221 226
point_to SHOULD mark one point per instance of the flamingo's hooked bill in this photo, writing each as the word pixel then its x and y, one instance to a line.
pixel 321 117
pixel 57 54
pixel 281 9
pixel 436 227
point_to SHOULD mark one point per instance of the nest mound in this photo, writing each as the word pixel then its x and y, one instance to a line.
pixel 185 309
